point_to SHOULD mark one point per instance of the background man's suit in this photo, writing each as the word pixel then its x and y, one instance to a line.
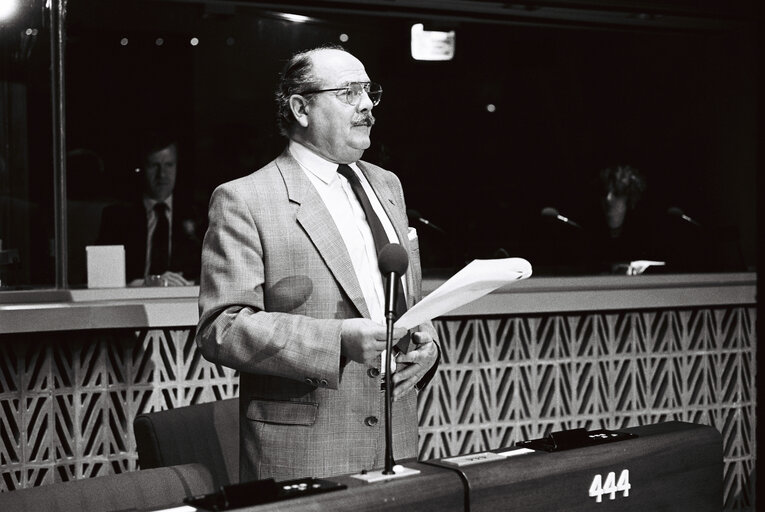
pixel 276 283
pixel 125 224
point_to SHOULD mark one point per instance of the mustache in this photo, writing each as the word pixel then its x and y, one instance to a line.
pixel 366 119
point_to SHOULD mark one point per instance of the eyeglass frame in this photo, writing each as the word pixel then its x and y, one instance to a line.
pixel 347 90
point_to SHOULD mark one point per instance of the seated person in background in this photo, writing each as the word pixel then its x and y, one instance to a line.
pixel 160 231
pixel 624 233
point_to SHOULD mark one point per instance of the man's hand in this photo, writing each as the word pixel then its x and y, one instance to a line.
pixel 165 279
pixel 362 340
pixel 414 364
pixel 175 279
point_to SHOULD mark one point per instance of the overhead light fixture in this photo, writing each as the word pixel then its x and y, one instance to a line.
pixel 8 9
pixel 297 18
pixel 432 45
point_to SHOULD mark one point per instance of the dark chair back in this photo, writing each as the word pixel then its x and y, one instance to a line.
pixel 134 490
pixel 205 433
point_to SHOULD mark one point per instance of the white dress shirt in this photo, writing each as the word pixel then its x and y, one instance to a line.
pixel 351 222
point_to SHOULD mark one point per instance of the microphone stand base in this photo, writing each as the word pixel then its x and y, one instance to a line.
pixel 378 476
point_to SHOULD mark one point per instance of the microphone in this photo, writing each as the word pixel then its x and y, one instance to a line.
pixel 414 214
pixel 549 211
pixel 677 212
pixel 392 261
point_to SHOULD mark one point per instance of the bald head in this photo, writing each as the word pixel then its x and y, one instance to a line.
pixel 296 77
pixel 315 109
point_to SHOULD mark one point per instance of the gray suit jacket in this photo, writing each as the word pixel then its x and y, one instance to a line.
pixel 276 283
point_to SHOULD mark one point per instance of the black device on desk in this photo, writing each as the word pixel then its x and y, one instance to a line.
pixel 259 492
pixel 574 438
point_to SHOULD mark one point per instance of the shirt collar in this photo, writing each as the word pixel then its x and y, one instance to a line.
pixel 148 203
pixel 320 167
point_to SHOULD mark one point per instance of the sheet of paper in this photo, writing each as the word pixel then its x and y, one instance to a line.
pixel 477 279
pixel 637 267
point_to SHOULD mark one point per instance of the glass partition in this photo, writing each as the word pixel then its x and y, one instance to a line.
pixel 502 149
pixel 26 169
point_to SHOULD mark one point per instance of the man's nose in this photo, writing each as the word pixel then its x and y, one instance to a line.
pixel 365 103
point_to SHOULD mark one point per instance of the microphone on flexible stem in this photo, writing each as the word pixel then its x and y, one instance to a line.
pixel 414 214
pixel 677 212
pixel 549 211
pixel 393 261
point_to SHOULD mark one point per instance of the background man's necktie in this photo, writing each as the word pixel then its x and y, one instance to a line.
pixel 160 241
pixel 378 233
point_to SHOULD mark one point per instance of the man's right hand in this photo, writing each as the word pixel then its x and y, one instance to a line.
pixel 362 340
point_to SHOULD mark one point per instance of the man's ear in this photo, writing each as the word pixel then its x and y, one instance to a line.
pixel 299 107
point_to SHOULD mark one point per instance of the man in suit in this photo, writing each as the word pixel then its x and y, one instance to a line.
pixel 291 295
pixel 159 229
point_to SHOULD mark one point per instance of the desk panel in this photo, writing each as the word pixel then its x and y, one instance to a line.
pixel 670 466
pixel 433 490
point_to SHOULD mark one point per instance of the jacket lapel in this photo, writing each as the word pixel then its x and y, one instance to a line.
pixel 315 219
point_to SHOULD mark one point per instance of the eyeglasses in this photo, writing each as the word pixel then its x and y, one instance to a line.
pixel 354 91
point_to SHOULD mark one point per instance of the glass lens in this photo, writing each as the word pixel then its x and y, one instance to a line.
pixel 375 92
pixel 356 89
pixel 353 92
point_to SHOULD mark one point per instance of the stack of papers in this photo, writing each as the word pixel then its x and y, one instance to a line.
pixel 478 278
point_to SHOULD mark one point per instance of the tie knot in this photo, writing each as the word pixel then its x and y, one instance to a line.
pixel 160 208
pixel 347 172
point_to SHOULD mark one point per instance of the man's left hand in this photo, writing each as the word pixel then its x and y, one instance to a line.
pixel 413 365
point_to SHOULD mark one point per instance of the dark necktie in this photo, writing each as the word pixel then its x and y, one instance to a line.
pixel 160 241
pixel 378 232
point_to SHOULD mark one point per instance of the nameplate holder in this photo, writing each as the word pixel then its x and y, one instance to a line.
pixel 473 458
pixel 106 266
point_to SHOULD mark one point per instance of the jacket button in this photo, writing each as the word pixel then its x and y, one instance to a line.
pixel 324 382
pixel 309 381
pixel 370 421
pixel 373 372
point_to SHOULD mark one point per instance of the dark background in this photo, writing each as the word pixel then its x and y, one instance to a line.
pixel 571 98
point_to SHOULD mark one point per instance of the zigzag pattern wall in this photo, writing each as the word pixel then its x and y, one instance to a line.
pixel 68 399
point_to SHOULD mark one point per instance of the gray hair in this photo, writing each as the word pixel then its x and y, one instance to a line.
pixel 296 77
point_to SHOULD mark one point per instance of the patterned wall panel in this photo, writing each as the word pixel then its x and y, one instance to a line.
pixel 68 399
pixel 512 378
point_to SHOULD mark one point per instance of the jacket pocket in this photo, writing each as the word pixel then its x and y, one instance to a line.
pixel 282 412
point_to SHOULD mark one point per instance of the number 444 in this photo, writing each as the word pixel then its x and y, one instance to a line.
pixel 612 485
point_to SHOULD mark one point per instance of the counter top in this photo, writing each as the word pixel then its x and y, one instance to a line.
pixel 109 308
